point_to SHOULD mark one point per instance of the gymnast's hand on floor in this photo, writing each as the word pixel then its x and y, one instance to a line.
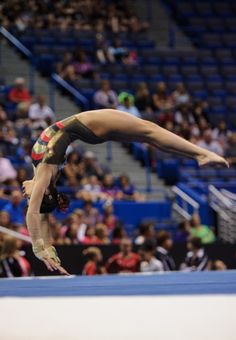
pixel 211 158
pixel 49 257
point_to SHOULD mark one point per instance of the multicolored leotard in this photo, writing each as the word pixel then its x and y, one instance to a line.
pixel 52 144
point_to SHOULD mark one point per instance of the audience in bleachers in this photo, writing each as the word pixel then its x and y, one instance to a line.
pixel 203 232
pixel 196 258
pixel 164 245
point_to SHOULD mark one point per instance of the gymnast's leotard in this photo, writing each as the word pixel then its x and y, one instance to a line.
pixel 51 146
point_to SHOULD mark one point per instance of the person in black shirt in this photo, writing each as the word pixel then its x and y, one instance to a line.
pixel 164 245
pixel 196 259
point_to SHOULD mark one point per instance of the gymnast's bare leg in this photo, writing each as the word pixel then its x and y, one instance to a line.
pixel 120 126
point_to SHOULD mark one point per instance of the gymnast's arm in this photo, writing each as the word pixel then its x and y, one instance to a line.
pixel 40 236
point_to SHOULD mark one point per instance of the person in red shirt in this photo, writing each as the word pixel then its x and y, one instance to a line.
pixel 19 93
pixel 93 265
pixel 125 261
pixel 90 237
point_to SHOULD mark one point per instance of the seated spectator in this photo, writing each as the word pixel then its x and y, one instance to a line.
pixel 5 220
pixel 180 95
pixel 196 258
pixel 91 165
pixel 161 101
pixel 208 143
pixel 221 133
pixel 7 171
pixel 103 53
pixel 125 261
pixel 73 169
pixel 127 190
pixel 19 93
pixel 109 219
pixel 91 189
pixel 82 66
pixel 230 152
pixel 70 75
pixel 66 61
pixel 127 104
pixel 12 264
pixel 93 266
pixel 16 208
pixel 184 114
pixel 109 187
pixel 148 261
pixel 57 235
pixel 91 214
pixel 143 100
pixel 201 231
pixel 164 245
pixel 71 235
pixel 101 232
pixel 41 114
pixel 117 51
pixel 21 176
pixel 183 232
pixel 118 234
pixel 218 265
pixel 105 97
pixel 90 237
pixel 146 231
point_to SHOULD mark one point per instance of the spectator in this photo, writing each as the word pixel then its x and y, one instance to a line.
pixel 164 245
pixel 160 99
pixel 143 100
pixel 127 104
pixel 230 152
pixel 109 219
pixel 125 261
pixel 221 133
pixel 90 237
pixel 180 95
pixel 82 66
pixel 19 93
pixel 12 264
pixel 117 51
pixel 16 208
pixel 5 220
pixel 93 265
pixel 183 231
pixel 127 190
pixel 41 114
pixel 71 235
pixel 109 188
pixel 219 265
pixel 66 61
pixel 146 231
pixel 91 166
pixel 70 75
pixel 103 52
pixel 201 231
pixel 73 169
pixel 196 259
pixel 7 171
pixel 91 214
pixel 91 189
pixel 208 143
pixel 101 232
pixel 105 97
pixel 148 261
pixel 118 234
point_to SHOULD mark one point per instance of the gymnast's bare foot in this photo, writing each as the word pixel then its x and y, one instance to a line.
pixel 211 158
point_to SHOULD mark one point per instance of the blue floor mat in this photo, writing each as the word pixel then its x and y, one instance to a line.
pixel 123 285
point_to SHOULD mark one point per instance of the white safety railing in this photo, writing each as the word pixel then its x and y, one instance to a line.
pixel 182 207
pixel 15 234
pixel 225 208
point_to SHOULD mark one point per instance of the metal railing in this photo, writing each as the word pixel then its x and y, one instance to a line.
pixel 184 204
pixel 225 209
pixel 15 234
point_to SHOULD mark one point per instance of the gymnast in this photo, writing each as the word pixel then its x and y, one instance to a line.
pixel 92 127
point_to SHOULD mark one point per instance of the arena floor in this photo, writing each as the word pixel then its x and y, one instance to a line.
pixel 161 306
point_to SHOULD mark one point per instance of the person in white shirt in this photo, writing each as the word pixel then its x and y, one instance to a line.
pixel 208 143
pixel 106 97
pixel 41 114
pixel 7 171
pixel 149 262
